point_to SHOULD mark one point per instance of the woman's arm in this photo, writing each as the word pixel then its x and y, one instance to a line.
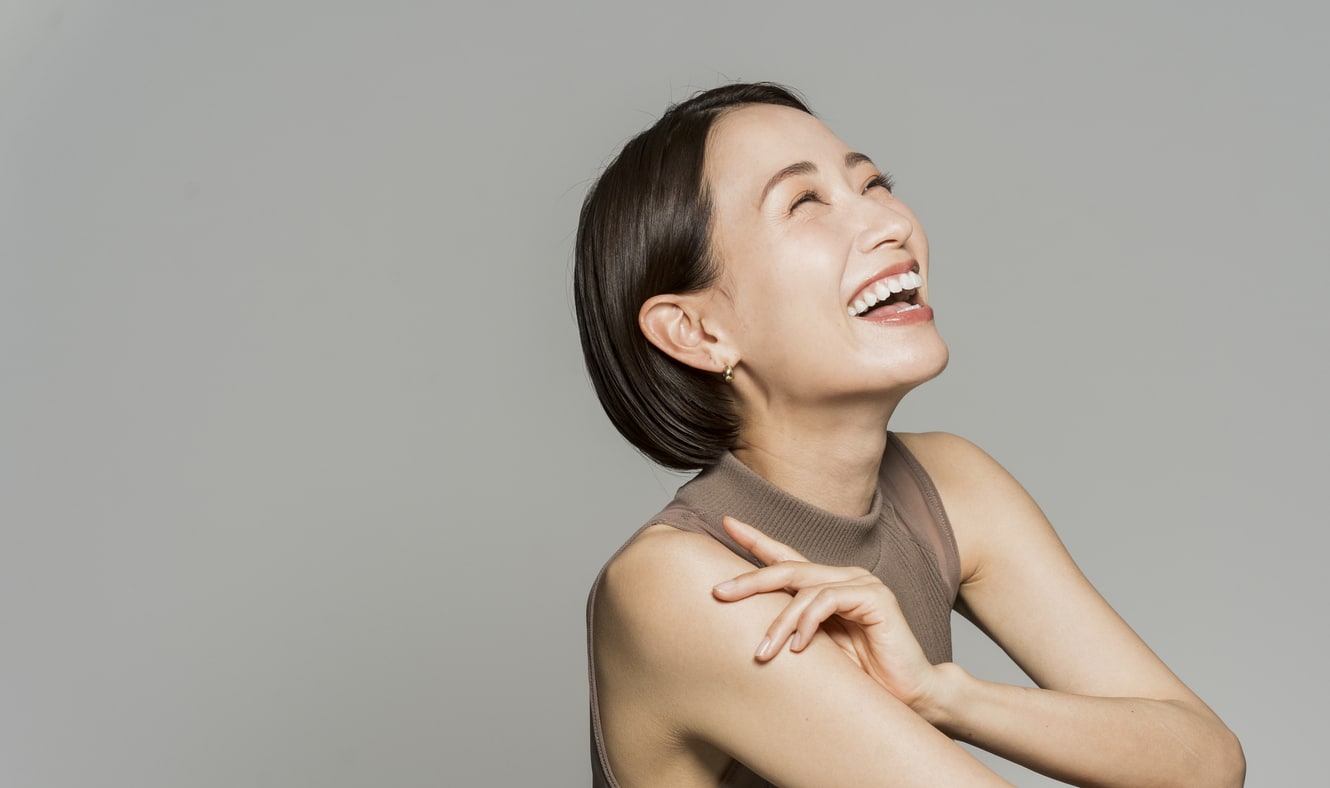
pixel 1110 712
pixel 685 662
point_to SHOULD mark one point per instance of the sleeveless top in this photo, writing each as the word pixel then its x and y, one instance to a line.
pixel 905 539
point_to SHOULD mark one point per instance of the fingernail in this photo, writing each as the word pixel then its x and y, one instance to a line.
pixel 764 647
pixel 726 587
pixel 794 642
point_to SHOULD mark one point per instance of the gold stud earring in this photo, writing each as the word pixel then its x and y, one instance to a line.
pixel 728 374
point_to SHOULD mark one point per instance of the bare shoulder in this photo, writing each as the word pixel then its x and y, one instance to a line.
pixel 965 474
pixel 655 597
pixel 984 502
pixel 950 458
pixel 674 666
pixel 660 551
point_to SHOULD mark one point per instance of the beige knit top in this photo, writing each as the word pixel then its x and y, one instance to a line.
pixel 905 539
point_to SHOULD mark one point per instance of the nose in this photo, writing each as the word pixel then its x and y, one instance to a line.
pixel 883 224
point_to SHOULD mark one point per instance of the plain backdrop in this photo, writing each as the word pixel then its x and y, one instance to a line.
pixel 302 482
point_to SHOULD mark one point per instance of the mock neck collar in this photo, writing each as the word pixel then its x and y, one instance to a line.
pixel 732 488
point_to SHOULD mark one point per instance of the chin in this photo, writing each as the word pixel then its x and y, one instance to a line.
pixel 923 361
pixel 943 355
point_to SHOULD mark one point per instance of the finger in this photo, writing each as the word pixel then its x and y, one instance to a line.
pixel 784 625
pixel 785 576
pixel 858 603
pixel 798 622
pixel 767 550
pixel 862 601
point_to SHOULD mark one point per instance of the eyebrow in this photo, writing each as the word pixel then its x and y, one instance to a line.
pixel 852 160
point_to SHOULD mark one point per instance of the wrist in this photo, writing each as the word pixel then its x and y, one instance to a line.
pixel 944 695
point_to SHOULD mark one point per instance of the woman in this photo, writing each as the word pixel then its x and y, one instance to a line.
pixel 753 302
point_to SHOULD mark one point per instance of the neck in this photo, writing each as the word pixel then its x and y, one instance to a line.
pixel 830 460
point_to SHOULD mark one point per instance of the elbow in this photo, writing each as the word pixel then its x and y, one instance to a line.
pixel 1224 764
pixel 1233 772
pixel 1219 760
pixel 1215 757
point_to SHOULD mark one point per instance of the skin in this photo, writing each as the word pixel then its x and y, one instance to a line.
pixel 808 673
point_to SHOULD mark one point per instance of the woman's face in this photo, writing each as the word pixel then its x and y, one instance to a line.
pixel 809 237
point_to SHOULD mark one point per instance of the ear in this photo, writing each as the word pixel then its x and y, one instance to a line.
pixel 677 325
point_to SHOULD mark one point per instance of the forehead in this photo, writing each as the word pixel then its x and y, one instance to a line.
pixel 749 144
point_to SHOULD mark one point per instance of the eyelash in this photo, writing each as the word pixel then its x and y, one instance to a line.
pixel 884 180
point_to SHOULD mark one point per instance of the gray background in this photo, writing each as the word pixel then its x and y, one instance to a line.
pixel 301 480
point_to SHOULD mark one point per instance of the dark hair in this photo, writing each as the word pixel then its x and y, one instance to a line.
pixel 645 230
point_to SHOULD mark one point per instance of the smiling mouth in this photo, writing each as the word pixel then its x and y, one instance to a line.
pixel 891 294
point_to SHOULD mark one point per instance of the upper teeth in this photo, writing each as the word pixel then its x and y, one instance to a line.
pixel 882 289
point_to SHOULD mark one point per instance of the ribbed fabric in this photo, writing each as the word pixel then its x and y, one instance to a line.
pixel 904 539
pixel 732 488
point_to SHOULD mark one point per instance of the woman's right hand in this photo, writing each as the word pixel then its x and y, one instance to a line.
pixel 849 604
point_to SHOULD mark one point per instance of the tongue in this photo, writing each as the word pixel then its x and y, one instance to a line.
pixel 888 308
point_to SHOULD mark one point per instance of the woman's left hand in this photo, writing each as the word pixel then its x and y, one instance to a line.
pixel 849 604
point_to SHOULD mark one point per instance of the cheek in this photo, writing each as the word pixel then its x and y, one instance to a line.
pixel 816 249
pixel 788 281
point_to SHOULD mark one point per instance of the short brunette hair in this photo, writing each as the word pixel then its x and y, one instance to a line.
pixel 645 231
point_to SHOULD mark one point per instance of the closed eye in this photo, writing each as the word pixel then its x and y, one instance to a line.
pixel 882 180
pixel 807 196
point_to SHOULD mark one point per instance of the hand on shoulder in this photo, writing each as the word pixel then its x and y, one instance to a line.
pixel 677 664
